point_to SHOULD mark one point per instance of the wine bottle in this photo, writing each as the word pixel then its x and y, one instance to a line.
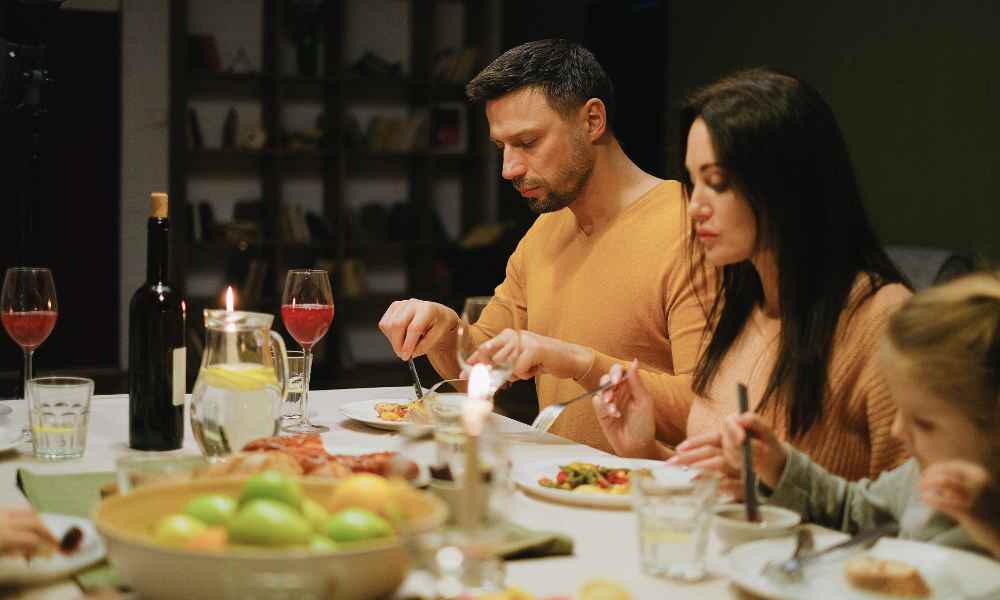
pixel 156 350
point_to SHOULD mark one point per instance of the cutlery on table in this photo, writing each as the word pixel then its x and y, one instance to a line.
pixel 749 481
pixel 417 388
pixel 790 570
pixel 550 413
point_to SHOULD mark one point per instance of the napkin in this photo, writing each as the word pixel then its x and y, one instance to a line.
pixel 522 542
pixel 74 494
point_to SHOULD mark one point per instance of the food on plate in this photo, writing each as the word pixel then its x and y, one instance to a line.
pixel 399 411
pixel 272 511
pixel 308 451
pixel 589 478
pixel 889 577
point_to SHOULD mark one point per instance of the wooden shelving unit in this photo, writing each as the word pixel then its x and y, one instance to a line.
pixel 336 89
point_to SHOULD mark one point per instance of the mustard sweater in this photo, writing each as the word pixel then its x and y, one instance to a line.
pixel 623 291
pixel 852 438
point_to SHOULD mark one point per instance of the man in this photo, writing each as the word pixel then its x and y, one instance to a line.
pixel 602 276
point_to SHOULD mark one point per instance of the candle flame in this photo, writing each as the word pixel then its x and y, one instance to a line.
pixel 478 407
pixel 230 299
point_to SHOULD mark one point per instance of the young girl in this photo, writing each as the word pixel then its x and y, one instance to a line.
pixel 941 359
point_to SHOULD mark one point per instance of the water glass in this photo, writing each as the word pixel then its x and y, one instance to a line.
pixel 673 509
pixel 60 407
pixel 291 412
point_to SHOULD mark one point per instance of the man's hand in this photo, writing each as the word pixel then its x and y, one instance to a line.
pixel 532 354
pixel 413 327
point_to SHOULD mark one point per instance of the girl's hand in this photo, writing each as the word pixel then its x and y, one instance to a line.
pixel 767 451
pixel 954 487
pixel 22 532
pixel 625 413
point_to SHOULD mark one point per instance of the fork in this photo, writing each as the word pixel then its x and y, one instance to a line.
pixel 550 413
pixel 790 570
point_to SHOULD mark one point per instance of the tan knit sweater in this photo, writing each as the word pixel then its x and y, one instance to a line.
pixel 852 438
pixel 623 291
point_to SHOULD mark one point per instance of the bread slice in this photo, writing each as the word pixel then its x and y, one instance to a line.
pixel 890 577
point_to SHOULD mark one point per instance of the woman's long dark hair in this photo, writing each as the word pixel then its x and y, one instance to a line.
pixel 780 147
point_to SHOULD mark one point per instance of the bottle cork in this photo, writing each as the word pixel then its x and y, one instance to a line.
pixel 158 205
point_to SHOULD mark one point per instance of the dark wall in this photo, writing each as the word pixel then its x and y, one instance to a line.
pixel 629 39
pixel 71 223
pixel 913 85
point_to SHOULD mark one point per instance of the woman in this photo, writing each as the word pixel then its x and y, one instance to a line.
pixel 804 288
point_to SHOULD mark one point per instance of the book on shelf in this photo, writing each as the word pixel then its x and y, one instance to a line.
pixel 455 65
pixel 396 134
pixel 203 53
pixel 253 285
pixel 292 224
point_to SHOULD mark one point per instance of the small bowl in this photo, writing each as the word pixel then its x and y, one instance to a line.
pixel 733 529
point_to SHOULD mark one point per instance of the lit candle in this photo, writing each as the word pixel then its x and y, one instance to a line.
pixel 232 355
pixel 477 408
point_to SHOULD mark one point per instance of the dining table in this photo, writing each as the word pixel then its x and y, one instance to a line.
pixel 605 540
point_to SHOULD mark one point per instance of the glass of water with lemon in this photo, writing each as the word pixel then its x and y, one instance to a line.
pixel 673 508
pixel 60 409
pixel 242 382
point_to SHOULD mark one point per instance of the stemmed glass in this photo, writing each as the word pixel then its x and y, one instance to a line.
pixel 499 355
pixel 307 311
pixel 29 310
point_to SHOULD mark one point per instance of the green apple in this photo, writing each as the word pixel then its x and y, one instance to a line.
pixel 177 529
pixel 315 514
pixel 211 509
pixel 265 522
pixel 321 543
pixel 274 486
pixel 354 524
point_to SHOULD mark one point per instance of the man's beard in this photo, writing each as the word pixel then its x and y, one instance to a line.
pixel 576 175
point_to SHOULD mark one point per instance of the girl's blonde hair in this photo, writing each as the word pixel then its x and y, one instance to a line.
pixel 949 337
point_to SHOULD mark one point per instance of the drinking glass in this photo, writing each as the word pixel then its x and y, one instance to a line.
pixel 29 310
pixel 60 407
pixel 307 311
pixel 500 354
pixel 673 508
pixel 291 412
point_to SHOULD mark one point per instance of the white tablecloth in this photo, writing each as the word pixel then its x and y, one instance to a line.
pixel 605 540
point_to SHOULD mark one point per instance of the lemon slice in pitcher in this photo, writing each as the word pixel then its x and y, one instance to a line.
pixel 240 377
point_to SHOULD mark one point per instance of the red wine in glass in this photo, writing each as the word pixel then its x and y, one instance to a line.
pixel 307 323
pixel 307 311
pixel 29 328
pixel 28 311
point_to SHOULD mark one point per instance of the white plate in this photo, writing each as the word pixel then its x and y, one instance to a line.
pixel 18 571
pixel 364 411
pixel 950 573
pixel 526 476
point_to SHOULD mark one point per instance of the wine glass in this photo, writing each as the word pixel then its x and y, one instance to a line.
pixel 499 355
pixel 307 311
pixel 29 310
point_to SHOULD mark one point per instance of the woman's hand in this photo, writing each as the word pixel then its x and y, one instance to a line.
pixel 769 454
pixel 704 452
pixel 625 413
pixel 954 488
pixel 22 532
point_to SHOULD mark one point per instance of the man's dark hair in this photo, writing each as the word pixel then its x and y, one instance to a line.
pixel 567 73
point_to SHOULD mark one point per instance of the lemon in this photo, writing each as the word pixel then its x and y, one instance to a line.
pixel 48 429
pixel 240 377
pixel 603 589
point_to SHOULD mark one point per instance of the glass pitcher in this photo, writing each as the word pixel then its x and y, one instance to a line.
pixel 241 384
